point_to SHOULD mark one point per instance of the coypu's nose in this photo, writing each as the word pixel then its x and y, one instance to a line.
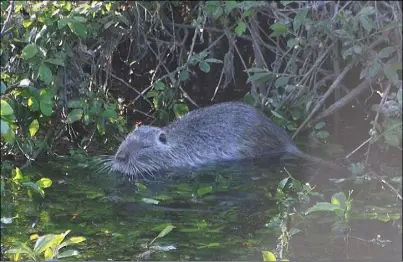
pixel 122 156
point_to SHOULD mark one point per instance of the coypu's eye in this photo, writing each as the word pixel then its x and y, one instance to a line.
pixel 163 138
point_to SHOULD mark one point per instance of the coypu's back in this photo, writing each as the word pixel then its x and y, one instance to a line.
pixel 222 132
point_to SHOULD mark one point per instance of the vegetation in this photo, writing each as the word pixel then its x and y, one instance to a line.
pixel 77 76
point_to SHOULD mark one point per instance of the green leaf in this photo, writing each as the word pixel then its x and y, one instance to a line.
pixel 150 201
pixel 29 51
pixel 78 29
pixel 299 19
pixel 320 125
pixel 9 136
pixel 44 182
pixel 339 199
pixel 55 61
pixel 374 69
pixel 268 256
pixel 281 81
pixel 277 114
pixel 80 19
pixel 368 10
pixel 62 22
pixel 16 174
pixel 365 23
pixel 74 115
pixel 45 74
pixel 4 127
pixel 240 29
pixel 386 52
pixel 45 103
pixel 291 43
pixel 213 60
pixel 278 29
pixel 68 253
pixel 180 110
pixel 391 138
pixel 323 206
pixel 390 73
pixel 3 88
pixel 204 66
pixel 249 99
pixel 160 86
pixel 204 190
pixel 45 242
pixel 75 240
pixel 75 103
pixel 33 127
pixel 184 75
pixel 6 109
pixel 217 12
pixel 322 134
pixel 34 187
pixel 166 231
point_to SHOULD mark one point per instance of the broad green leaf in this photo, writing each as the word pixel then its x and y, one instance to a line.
pixel 55 61
pixel 268 256
pixel 75 103
pixel 180 110
pixel 166 231
pixel 240 29
pixel 365 23
pixel 3 88
pixel 392 139
pixel 299 19
pixel 339 199
pixel 45 242
pixel 74 115
pixel 68 253
pixel 386 52
pixel 368 10
pixel 9 137
pixel 204 66
pixel 44 182
pixel 277 114
pixel 390 73
pixel 29 51
pixel 184 75
pixel 4 127
pixel 159 86
pixel 323 206
pixel 62 22
pixel 6 109
pixel 78 29
pixel 291 43
pixel 33 104
pixel 213 60
pixel 278 29
pixel 33 127
pixel 80 19
pixel 249 99
pixel 34 187
pixel 374 69
pixel 45 74
pixel 45 103
pixel 204 190
pixel 320 125
pixel 217 12
pixel 322 134
pixel 281 81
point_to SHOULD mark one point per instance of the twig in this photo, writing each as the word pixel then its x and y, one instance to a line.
pixel 328 92
pixel 379 178
pixel 8 17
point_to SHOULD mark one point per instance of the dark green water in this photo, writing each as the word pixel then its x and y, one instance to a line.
pixel 218 215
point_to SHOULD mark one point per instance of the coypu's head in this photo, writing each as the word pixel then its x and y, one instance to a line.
pixel 142 152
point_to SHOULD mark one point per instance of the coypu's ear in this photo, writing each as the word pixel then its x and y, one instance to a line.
pixel 162 138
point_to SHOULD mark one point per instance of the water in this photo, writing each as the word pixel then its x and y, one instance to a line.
pixel 219 214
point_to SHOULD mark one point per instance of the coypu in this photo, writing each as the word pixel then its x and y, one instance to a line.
pixel 222 132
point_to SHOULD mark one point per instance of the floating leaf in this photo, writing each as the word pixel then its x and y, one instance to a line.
pixel 323 206
pixel 44 182
pixel 45 74
pixel 29 51
pixel 180 110
pixel 240 29
pixel 33 127
pixel 6 109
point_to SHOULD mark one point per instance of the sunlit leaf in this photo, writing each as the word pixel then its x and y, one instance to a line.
pixel 339 199
pixel 6 109
pixel 268 256
pixel 240 29
pixel 75 115
pixel 44 182
pixel 204 190
pixel 16 174
pixel 180 110
pixel 33 127
pixel 166 231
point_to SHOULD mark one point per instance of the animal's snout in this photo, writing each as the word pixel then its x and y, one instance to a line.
pixel 122 156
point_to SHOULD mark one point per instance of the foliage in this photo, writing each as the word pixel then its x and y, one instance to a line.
pixel 49 246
